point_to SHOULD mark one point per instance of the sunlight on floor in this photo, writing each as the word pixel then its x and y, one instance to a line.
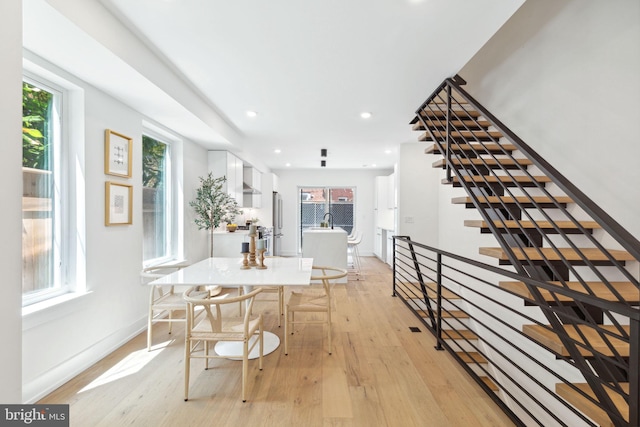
pixel 130 365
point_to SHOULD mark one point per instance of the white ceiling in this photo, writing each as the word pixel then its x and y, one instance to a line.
pixel 308 68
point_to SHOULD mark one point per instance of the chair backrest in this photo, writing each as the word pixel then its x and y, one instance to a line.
pixel 195 297
pixel 326 276
pixel 157 271
pixel 356 240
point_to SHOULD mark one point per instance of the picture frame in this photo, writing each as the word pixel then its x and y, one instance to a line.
pixel 117 154
pixel 118 203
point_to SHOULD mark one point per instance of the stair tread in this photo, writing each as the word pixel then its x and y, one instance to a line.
pixel 524 200
pixel 627 290
pixel 489 382
pixel 472 135
pixel 458 334
pixel 550 339
pixel 418 126
pixel 471 357
pixel 592 254
pixel 456 314
pixel 433 149
pixel 532 224
pixel 502 178
pixel 431 290
pixel 589 408
pixel 441 163
pixel 440 111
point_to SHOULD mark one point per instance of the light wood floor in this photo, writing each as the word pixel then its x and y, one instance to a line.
pixel 380 374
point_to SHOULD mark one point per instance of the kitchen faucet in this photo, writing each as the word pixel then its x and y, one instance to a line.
pixel 331 216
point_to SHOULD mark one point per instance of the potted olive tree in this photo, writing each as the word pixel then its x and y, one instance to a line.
pixel 213 206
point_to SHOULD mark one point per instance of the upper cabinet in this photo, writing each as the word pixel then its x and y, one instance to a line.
pixel 252 188
pixel 224 163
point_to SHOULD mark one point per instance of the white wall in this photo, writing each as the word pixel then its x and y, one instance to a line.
pixel 418 185
pixel 362 180
pixel 563 75
pixel 61 341
pixel 11 212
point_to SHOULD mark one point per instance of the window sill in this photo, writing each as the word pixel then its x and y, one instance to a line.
pixel 54 308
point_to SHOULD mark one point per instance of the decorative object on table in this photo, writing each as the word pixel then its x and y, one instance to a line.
pixel 213 206
pixel 261 265
pixel 252 246
pixel 117 154
pixel 232 227
pixel 245 255
pixel 118 202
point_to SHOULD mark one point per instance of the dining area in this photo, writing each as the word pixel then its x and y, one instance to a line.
pixel 219 315
pixel 378 373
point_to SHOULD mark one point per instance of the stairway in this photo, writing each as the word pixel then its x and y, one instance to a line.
pixel 539 235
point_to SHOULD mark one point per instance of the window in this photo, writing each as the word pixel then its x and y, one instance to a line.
pixel 43 247
pixel 316 202
pixel 156 202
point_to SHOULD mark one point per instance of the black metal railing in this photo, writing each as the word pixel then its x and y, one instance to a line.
pixel 452 294
pixel 540 235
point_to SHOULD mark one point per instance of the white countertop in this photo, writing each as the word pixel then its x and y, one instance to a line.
pixel 227 272
pixel 314 230
pixel 237 232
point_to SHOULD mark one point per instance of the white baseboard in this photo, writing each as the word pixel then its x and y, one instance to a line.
pixel 57 376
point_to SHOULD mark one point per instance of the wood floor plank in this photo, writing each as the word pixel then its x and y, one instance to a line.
pixel 380 374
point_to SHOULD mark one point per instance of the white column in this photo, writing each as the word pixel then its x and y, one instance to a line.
pixel 11 211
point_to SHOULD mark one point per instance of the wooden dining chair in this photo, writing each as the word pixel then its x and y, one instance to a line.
pixel 278 291
pixel 218 324
pixel 312 302
pixel 164 301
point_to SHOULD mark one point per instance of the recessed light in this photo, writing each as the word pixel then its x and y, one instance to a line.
pixel 387 151
pixel 287 164
pixel 277 151
pixel 252 113
pixel 365 115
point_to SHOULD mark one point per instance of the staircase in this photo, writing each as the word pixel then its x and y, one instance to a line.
pixel 552 234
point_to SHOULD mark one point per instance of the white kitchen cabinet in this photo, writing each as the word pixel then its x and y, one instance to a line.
pixel 391 198
pixel 253 195
pixel 224 163
pixel 377 243
pixel 389 257
pixel 229 245
pixel 326 246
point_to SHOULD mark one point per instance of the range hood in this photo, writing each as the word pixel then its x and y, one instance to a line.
pixel 247 189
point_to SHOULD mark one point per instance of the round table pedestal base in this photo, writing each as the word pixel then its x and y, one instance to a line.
pixel 234 348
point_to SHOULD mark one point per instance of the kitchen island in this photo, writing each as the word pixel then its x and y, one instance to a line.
pixel 327 247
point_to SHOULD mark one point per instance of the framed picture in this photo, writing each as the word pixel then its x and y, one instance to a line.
pixel 118 201
pixel 117 154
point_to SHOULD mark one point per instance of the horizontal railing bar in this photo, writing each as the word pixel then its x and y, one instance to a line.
pixel 588 299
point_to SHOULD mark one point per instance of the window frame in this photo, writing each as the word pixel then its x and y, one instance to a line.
pixel 171 226
pixel 61 246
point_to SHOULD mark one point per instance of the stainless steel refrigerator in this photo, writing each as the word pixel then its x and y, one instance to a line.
pixel 277 225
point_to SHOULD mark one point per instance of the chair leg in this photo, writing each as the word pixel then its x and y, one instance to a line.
pixel 329 321
pixel 187 367
pixel 286 331
pixel 280 304
pixel 150 320
pixel 245 365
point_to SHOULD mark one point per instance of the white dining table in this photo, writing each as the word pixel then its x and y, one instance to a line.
pixel 227 272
